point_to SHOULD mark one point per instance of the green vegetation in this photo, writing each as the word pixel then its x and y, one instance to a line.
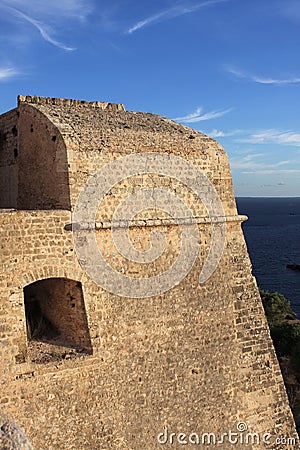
pixel 276 306
pixel 285 330
pixel 285 333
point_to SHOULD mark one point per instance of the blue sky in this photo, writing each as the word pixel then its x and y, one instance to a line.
pixel 228 68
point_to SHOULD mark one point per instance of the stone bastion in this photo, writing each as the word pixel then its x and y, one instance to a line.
pixel 85 367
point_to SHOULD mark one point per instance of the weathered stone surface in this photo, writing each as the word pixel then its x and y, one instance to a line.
pixel 197 358
pixel 11 436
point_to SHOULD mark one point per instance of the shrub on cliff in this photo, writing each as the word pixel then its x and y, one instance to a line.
pixel 277 307
pixel 286 337
pixel 285 334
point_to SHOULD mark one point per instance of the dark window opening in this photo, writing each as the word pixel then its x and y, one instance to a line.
pixel 56 321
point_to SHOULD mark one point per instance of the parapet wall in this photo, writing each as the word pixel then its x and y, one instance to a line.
pixel 35 100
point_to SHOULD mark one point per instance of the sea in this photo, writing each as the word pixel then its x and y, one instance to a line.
pixel 272 234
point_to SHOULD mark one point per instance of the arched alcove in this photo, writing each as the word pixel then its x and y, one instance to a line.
pixel 55 315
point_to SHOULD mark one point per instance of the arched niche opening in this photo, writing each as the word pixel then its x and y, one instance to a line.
pixel 57 326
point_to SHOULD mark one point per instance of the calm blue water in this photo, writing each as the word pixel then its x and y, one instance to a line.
pixel 273 238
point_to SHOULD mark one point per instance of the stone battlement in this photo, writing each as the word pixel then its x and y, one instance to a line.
pixel 69 102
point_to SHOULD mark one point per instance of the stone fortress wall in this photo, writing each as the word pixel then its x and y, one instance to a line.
pixel 197 358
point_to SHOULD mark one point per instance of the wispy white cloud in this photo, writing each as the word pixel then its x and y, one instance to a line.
pixel 272 172
pixel 58 9
pixel 199 116
pixel 149 20
pixel 179 9
pixel 273 136
pixel 261 79
pixel 268 136
pixel 252 156
pixel 215 133
pixel 44 30
pixel 249 164
pixel 47 17
pixel 7 72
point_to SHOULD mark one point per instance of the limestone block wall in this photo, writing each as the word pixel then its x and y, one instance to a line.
pixel 197 358
pixel 43 169
pixel 28 240
pixel 9 159
pixel 94 137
